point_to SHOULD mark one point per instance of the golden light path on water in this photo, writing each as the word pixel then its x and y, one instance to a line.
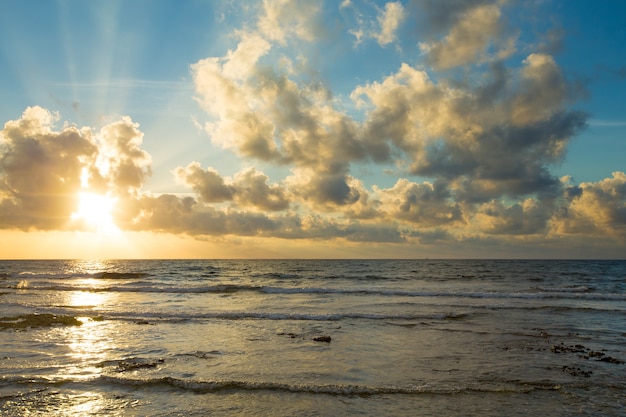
pixel 90 344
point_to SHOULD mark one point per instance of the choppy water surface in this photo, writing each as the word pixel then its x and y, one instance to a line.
pixel 446 338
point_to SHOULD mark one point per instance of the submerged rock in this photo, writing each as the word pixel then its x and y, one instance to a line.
pixel 325 339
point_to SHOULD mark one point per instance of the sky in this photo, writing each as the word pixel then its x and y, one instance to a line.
pixel 301 129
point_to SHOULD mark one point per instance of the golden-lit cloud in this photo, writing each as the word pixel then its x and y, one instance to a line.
pixel 47 175
pixel 281 19
pixel 469 40
pixel 383 29
pixel 389 20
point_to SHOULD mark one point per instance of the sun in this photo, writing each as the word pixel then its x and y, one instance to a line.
pixel 95 211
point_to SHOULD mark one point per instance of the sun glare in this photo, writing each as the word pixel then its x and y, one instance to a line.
pixel 95 211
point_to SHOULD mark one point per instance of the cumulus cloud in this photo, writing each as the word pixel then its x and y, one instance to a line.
pixel 281 19
pixel 248 188
pixel 468 40
pixel 121 163
pixel 595 208
pixel 422 204
pixel 484 141
pixel 42 170
pixel 527 217
pixel 478 141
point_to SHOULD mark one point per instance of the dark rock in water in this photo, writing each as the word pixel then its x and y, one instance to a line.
pixel 131 364
pixel 610 359
pixel 586 353
pixel 290 335
pixel 577 371
pixel 322 339
pixel 568 349
pixel 593 354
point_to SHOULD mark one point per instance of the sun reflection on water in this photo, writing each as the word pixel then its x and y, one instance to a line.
pixel 88 266
pixel 84 351
pixel 91 343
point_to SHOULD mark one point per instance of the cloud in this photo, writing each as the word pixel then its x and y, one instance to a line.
pixel 527 217
pixel 469 39
pixel 248 188
pixel 479 141
pixel 422 204
pixel 208 184
pixel 168 213
pixel 439 16
pixel 42 170
pixel 121 163
pixel 484 140
pixel 542 90
pixel 595 208
pixel 389 21
pixel 383 28
pixel 281 19
pixel 326 190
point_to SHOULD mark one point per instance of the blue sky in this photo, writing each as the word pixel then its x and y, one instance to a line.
pixel 343 129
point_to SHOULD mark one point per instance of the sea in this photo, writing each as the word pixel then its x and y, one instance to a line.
pixel 313 338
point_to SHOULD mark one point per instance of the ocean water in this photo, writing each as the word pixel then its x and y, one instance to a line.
pixel 311 337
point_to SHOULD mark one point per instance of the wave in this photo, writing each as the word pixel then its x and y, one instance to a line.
pixel 203 387
pixel 105 275
pixel 265 315
pixel 574 288
pixel 226 385
pixel 577 292
pixel 120 275
pixel 199 386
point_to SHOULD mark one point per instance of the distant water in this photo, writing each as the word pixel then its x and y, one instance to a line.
pixel 284 338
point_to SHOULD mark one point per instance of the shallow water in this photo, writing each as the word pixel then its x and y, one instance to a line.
pixel 447 338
